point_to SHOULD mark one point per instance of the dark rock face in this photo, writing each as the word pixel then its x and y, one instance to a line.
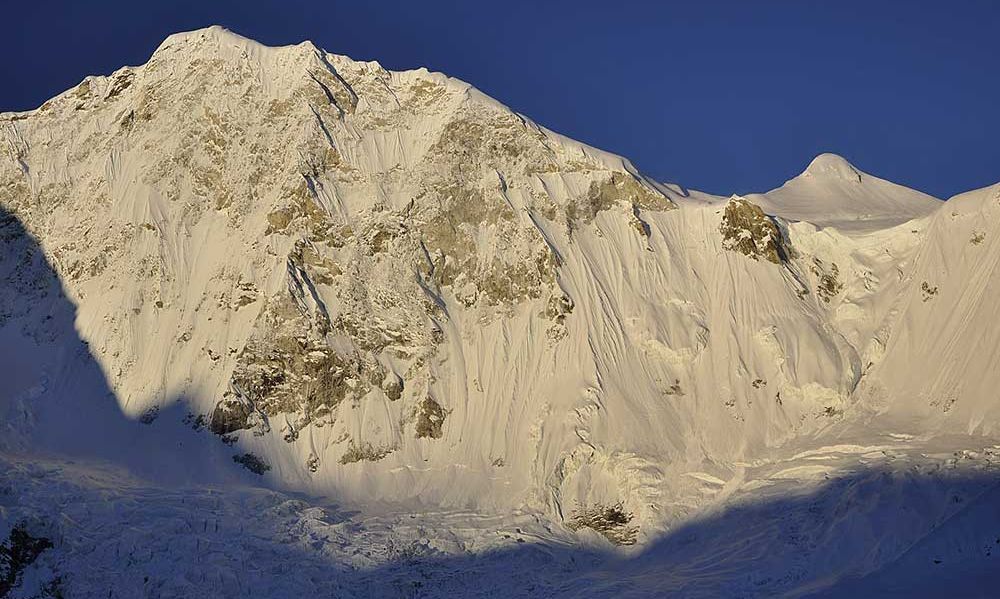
pixel 18 552
pixel 747 230
pixel 230 415
pixel 365 452
pixel 430 419
pixel 611 521
pixel 393 386
pixel 252 463
pixel 828 277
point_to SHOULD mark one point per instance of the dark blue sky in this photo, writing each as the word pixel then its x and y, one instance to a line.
pixel 726 96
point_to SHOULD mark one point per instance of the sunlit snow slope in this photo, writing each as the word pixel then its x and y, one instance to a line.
pixel 389 289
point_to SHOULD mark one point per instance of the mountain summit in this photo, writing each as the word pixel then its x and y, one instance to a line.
pixel 239 272
pixel 832 165
pixel 832 191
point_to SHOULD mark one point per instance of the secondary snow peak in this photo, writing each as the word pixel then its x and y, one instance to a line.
pixel 833 192
pixel 832 165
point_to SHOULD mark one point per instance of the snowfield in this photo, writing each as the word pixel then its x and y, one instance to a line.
pixel 279 323
pixel 899 520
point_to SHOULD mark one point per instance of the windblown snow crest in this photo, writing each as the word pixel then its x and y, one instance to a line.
pixel 382 285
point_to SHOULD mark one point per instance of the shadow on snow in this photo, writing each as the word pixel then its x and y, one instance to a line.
pixel 913 531
pixel 55 397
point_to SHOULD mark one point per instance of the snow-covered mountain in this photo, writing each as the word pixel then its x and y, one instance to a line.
pixel 389 290
pixel 832 192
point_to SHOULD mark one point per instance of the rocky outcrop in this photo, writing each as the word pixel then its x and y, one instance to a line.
pixel 18 551
pixel 365 452
pixel 430 419
pixel 230 415
pixel 252 462
pixel 828 279
pixel 747 230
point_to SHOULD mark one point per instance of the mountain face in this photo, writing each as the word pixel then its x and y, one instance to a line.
pixel 387 287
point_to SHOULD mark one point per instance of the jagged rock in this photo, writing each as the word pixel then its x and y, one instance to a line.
pixel 928 291
pixel 18 551
pixel 252 462
pixel 365 452
pixel 230 415
pixel 828 284
pixel 747 230
pixel 558 307
pixel 611 521
pixel 312 462
pixel 392 386
pixel 430 419
pixel 150 415
pixel 675 389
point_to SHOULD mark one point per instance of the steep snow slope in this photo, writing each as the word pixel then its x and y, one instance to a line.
pixel 956 559
pixel 942 364
pixel 386 288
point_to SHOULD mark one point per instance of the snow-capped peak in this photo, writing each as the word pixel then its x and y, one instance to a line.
pixel 220 37
pixel 833 192
pixel 832 165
